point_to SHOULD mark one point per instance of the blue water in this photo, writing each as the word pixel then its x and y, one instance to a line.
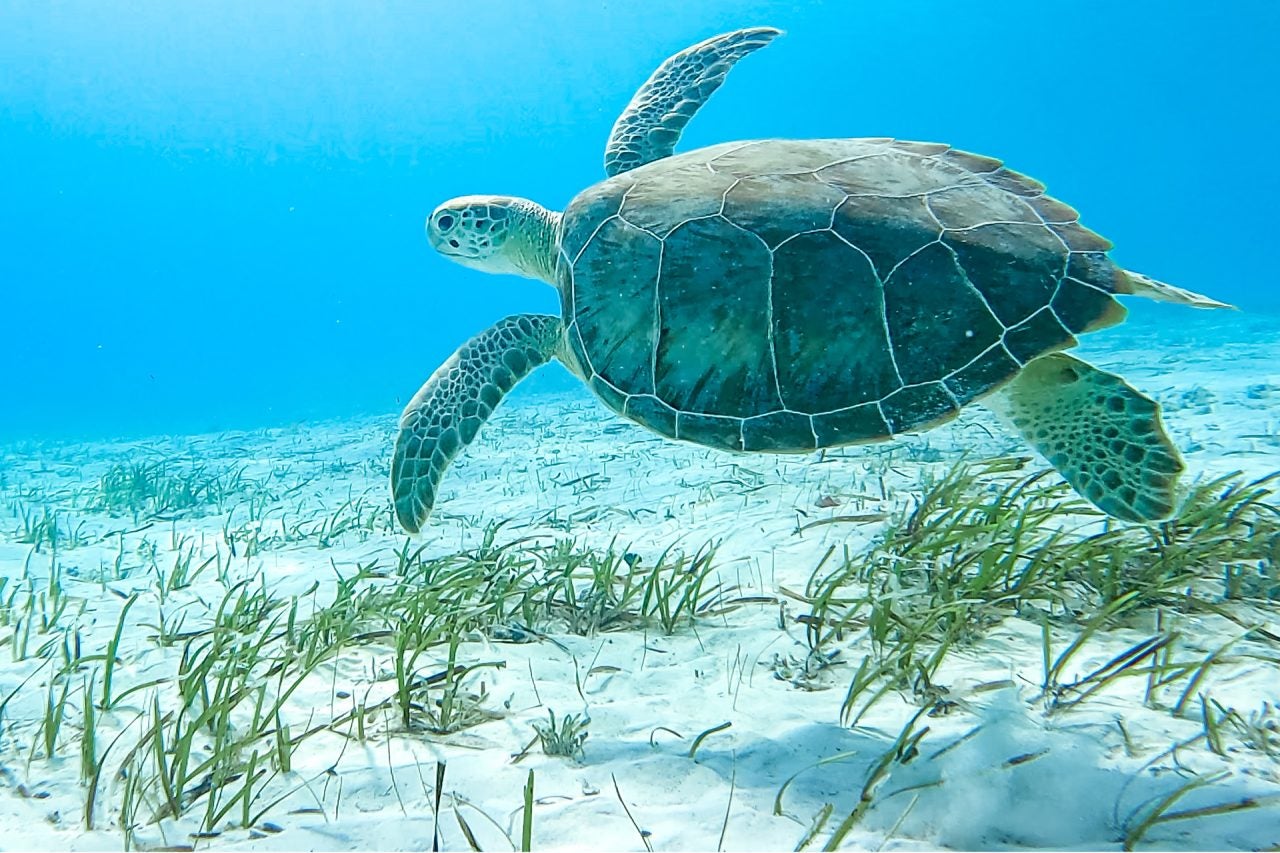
pixel 211 212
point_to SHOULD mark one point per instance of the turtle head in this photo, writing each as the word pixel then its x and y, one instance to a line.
pixel 497 234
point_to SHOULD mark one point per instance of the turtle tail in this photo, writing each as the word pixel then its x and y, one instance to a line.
pixel 1141 285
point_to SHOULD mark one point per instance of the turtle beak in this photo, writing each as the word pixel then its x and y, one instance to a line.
pixel 435 233
pixel 445 235
pixel 436 239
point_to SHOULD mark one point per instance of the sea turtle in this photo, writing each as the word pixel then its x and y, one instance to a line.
pixel 784 296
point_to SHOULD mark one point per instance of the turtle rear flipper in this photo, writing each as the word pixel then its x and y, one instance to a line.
pixel 650 126
pixel 445 415
pixel 1102 435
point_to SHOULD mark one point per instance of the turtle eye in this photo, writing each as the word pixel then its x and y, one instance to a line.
pixel 445 221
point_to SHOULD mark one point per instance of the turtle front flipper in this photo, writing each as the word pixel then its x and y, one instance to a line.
pixel 1102 435
pixel 445 415
pixel 651 125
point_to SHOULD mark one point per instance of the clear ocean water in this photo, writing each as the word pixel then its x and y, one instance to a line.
pixel 217 296
pixel 211 213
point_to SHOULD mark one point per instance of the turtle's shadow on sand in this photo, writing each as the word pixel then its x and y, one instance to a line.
pixel 1009 782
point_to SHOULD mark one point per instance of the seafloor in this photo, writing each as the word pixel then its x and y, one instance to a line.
pixel 222 641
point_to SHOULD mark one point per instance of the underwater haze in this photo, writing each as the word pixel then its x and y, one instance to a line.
pixel 211 213
pixel 240 609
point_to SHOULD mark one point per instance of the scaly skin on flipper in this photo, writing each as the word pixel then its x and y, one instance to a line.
pixel 651 125
pixel 1102 435
pixel 445 415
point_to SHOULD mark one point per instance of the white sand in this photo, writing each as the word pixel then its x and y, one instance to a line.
pixel 1073 783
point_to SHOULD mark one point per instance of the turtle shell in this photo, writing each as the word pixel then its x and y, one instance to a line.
pixel 788 295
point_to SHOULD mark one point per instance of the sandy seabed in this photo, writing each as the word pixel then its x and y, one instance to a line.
pixel 978 755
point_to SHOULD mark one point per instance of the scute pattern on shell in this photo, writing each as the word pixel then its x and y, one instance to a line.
pixel 787 294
